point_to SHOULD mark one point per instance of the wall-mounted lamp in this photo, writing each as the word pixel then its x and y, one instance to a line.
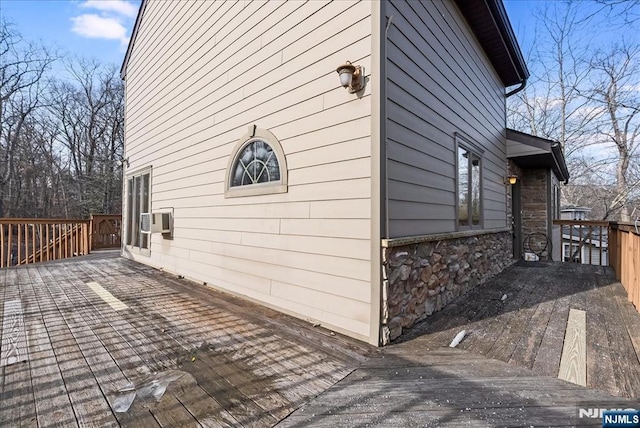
pixel 512 179
pixel 351 76
pixel 124 161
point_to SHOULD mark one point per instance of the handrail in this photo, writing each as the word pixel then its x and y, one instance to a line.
pixel 582 222
pixel 32 240
pixel 42 220
pixel 29 240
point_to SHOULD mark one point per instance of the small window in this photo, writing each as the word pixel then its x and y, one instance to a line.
pixel 257 165
pixel 469 187
pixel 571 253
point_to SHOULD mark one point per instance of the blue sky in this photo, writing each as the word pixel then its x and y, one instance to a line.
pixel 101 28
pixel 88 28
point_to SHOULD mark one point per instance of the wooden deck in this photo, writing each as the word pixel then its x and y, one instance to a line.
pixel 103 341
pixel 528 328
pixel 420 381
pixel 406 386
pixel 223 361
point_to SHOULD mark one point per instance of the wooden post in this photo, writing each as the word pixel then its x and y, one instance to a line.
pixel 590 235
pixel 87 240
pixel 633 269
pixel 33 242
pixel 570 243
pixel 612 237
pixel 19 242
pixel 2 245
pixel 76 235
pixel 67 231
pixel 10 245
pixel 48 241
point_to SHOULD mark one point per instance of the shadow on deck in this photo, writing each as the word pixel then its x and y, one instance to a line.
pixel 527 329
pixel 110 342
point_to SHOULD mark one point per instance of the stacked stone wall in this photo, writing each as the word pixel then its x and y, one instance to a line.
pixel 422 278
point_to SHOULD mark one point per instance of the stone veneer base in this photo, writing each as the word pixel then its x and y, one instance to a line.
pixel 423 274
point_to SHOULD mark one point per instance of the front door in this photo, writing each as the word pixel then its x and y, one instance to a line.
pixel 516 208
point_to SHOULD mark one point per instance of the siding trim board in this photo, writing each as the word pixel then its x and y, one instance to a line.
pixel 379 198
pixel 409 240
pixel 134 33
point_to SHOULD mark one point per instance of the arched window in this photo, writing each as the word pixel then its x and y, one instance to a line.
pixel 257 165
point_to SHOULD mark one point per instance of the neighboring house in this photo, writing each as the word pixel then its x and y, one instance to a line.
pixel 540 167
pixel 575 213
pixel 361 209
pixel 586 245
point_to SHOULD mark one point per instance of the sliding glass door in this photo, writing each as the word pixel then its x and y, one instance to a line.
pixel 138 202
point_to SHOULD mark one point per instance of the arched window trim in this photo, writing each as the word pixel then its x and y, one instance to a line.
pixel 277 186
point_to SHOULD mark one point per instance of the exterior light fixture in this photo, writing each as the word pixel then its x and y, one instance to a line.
pixel 512 179
pixel 351 77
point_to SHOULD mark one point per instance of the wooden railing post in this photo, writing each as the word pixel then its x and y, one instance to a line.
pixel 86 236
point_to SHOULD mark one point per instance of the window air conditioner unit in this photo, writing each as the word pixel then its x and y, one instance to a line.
pixel 161 222
pixel 155 222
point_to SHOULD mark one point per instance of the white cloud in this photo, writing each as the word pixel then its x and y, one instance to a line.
pixel 120 7
pixel 95 26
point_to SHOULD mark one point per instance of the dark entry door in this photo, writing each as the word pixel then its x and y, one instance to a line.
pixel 516 208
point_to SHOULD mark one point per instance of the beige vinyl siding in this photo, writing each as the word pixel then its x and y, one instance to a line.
pixel 439 83
pixel 198 75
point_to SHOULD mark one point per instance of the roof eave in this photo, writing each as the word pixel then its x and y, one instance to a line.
pixel 125 62
pixel 489 22
pixel 553 148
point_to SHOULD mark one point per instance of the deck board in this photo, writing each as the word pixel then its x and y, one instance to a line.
pixel 250 369
pixel 240 364
pixel 52 404
pixel 573 363
pixel 528 329
pixel 438 392
pixel 18 403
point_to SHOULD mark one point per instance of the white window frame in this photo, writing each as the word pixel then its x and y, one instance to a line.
pixel 142 245
pixel 276 186
pixel 565 251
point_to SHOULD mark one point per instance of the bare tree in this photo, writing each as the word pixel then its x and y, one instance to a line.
pixel 551 106
pixel 615 88
pixel 22 69
pixel 89 111
pixel 585 97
